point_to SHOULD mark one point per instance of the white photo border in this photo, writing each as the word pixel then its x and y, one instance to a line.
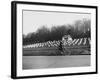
pixel 18 72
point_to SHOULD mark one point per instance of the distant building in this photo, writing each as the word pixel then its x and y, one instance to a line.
pixel 66 39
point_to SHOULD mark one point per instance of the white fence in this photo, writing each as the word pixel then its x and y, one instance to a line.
pixel 74 42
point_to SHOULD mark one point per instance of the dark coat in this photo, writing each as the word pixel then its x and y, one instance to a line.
pixel 60 46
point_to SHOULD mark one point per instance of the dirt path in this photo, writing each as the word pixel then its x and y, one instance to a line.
pixel 38 62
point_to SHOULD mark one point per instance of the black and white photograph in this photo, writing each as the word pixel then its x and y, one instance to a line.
pixel 55 39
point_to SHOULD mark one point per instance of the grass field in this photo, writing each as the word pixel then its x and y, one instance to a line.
pixel 53 51
pixel 51 57
pixel 39 62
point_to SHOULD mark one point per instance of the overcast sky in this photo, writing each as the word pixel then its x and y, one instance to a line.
pixel 32 20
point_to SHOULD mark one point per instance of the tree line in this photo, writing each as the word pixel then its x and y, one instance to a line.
pixel 80 29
